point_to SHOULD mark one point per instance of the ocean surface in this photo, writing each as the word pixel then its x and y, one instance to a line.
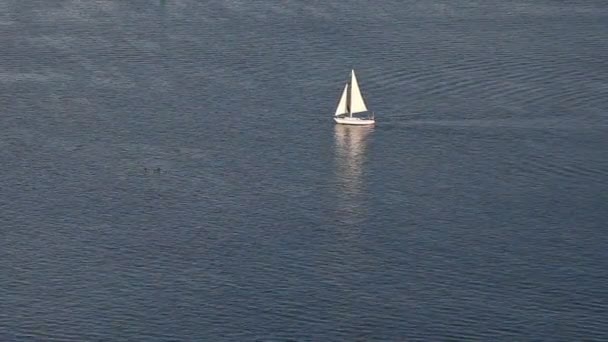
pixel 170 171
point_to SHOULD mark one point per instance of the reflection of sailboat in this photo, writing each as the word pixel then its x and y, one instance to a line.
pixel 351 144
pixel 351 102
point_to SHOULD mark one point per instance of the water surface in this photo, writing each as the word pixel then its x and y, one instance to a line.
pixel 170 171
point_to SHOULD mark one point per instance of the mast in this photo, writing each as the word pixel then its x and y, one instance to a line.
pixel 350 93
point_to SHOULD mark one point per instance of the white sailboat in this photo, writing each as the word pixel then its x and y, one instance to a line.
pixel 351 103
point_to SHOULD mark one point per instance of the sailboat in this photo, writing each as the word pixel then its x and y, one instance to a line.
pixel 351 102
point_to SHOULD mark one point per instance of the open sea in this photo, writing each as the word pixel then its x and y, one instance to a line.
pixel 170 171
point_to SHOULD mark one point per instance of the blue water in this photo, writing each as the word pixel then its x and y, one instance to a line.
pixel 170 171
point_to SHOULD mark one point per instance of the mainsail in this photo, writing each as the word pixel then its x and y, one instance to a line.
pixel 356 104
pixel 342 107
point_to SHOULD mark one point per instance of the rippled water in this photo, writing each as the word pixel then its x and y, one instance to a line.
pixel 170 170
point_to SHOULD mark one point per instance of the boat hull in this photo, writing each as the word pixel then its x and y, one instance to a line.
pixel 354 121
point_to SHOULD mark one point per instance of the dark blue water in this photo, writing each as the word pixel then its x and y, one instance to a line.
pixel 169 171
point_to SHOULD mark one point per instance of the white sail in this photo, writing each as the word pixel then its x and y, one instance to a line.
pixel 342 107
pixel 357 104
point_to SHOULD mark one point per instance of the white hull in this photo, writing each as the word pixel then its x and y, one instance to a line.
pixel 354 121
